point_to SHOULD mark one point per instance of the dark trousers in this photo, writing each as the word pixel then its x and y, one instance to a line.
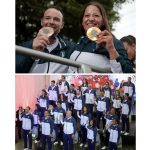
pixel 90 107
pixel 53 103
pixel 83 135
pixel 19 129
pixel 59 132
pixel 106 138
pixel 39 133
pixel 125 123
pixel 118 113
pixel 91 146
pixel 75 113
pixel 68 141
pixel 112 146
pixel 42 111
pixel 100 116
pixel 46 138
pixel 27 136
pixel 70 106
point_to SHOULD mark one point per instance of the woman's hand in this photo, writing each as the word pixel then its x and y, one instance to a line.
pixel 105 39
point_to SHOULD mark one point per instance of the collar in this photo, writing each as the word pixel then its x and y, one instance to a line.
pixel 51 47
pixel 69 118
pixel 102 97
pixel 84 39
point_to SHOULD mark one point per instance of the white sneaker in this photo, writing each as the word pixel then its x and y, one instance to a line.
pixel 104 147
pixel 126 133
pixel 85 145
pixel 36 141
pixel 61 143
pixel 122 132
pixel 81 144
pixel 55 143
pixel 25 148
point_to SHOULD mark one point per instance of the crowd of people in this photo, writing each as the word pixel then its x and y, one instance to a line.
pixel 65 114
pixel 106 52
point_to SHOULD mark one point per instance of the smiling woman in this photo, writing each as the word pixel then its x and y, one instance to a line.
pixel 106 51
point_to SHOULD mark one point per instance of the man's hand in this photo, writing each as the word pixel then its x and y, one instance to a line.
pixel 40 42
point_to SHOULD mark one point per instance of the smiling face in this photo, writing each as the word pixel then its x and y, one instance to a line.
pixel 59 105
pixel 68 114
pixel 107 84
pixel 46 113
pixel 52 84
pixel 27 109
pixel 129 79
pixel 85 109
pixel 112 111
pixel 91 122
pixel 78 92
pixel 53 18
pixel 92 18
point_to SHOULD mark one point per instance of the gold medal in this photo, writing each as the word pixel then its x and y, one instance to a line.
pixel 92 33
pixel 48 31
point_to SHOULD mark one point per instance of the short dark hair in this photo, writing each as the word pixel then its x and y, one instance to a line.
pixel 47 111
pixel 107 82
pixel 59 102
pixel 53 81
pixel 72 85
pixel 86 108
pixel 63 76
pixel 116 119
pixel 133 39
pixel 28 107
pixel 128 39
pixel 127 94
pixel 43 90
pixel 53 7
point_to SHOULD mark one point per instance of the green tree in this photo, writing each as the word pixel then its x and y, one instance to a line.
pixel 29 12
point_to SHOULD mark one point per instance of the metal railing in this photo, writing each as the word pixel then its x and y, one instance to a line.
pixel 83 68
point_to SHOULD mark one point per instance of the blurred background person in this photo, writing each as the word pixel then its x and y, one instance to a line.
pixel 129 43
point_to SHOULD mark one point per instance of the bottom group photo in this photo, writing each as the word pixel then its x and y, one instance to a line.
pixel 75 112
